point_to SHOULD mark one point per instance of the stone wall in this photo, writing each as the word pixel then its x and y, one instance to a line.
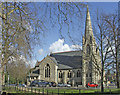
pixel 53 70
pixel 74 80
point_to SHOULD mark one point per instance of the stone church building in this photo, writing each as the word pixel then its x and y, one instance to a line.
pixel 71 67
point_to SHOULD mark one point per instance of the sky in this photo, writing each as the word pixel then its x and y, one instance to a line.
pixel 53 42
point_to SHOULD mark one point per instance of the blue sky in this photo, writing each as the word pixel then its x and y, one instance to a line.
pixel 52 41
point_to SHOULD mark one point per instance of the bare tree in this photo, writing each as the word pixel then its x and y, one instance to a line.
pixel 19 31
pixel 18 71
pixel 101 34
pixel 21 26
pixel 112 24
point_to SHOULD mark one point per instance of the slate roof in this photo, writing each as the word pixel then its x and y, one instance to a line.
pixel 69 53
pixel 61 66
pixel 53 59
pixel 71 59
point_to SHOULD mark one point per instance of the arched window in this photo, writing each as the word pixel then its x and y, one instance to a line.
pixel 87 75
pixel 88 49
pixel 60 74
pixel 78 73
pixel 90 75
pixel 97 49
pixel 90 39
pixel 47 70
pixel 69 74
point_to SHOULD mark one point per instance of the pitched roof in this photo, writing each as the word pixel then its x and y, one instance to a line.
pixel 66 60
pixel 61 66
pixel 38 62
pixel 69 53
pixel 71 59
pixel 53 59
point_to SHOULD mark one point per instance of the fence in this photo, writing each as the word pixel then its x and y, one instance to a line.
pixel 52 91
pixel 42 90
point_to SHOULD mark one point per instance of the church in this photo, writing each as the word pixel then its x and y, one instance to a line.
pixel 71 67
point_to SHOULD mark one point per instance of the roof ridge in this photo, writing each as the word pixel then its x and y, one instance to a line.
pixel 65 52
pixel 39 62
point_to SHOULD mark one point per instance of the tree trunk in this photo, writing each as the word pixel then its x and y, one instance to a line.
pixel 102 79
pixel 3 76
pixel 102 71
pixel 0 79
pixel 117 74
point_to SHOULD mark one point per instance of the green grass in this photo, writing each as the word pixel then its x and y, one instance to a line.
pixel 55 90
pixel 50 90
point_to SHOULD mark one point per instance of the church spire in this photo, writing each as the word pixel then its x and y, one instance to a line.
pixel 88 26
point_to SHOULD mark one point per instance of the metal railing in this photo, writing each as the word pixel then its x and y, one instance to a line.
pixel 42 90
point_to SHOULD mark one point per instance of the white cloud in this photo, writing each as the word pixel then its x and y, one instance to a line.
pixel 59 46
pixel 78 47
pixel 40 51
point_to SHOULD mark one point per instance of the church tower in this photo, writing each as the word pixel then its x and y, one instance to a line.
pixel 90 54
